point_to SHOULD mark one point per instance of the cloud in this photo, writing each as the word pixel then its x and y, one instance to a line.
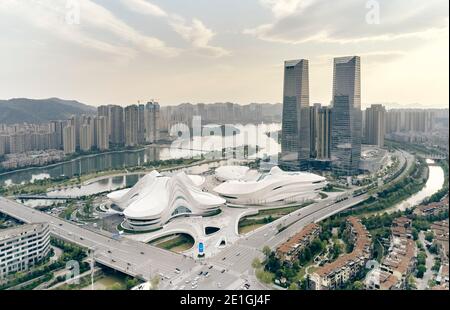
pixel 144 7
pixel 198 35
pixel 194 32
pixel 298 21
pixel 95 22
pixel 366 57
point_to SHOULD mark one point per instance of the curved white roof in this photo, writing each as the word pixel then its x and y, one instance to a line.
pixel 228 173
pixel 156 196
pixel 276 175
pixel 277 185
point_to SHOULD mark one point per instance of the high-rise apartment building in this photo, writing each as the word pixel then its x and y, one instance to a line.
pixel 69 139
pixel 18 143
pixel 86 137
pixel 141 124
pixel 101 133
pixel 116 124
pixel 131 125
pixel 295 136
pixel 323 137
pixel 152 122
pixel 375 125
pixel 104 111
pixel 4 144
pixel 56 128
pixel 347 116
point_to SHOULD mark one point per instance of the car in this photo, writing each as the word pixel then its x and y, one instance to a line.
pixel 200 273
pixel 109 252
pixel 224 258
pixel 182 287
pixel 142 253
pixel 238 254
pixel 265 235
pixel 81 238
pixel 187 281
pixel 113 260
pixel 177 271
pixel 206 273
pixel 196 279
pixel 210 267
pixel 60 224
pixel 223 271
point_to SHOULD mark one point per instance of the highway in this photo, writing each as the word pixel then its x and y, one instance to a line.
pixel 229 269
pixel 232 267
pixel 128 256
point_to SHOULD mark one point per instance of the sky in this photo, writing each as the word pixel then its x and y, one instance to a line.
pixel 176 51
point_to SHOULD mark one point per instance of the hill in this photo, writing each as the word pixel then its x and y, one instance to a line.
pixel 21 110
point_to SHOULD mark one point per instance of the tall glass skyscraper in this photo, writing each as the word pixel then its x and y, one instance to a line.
pixel 346 116
pixel 295 136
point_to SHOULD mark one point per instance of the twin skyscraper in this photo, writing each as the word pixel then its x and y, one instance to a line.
pixel 341 127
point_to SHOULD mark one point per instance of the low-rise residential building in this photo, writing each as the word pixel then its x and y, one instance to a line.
pixel 402 228
pixel 400 261
pixel 441 234
pixel 433 208
pixel 32 158
pixel 347 266
pixel 289 250
pixel 442 277
pixel 22 247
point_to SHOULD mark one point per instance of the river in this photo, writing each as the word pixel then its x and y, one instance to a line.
pixel 251 135
pixel 435 182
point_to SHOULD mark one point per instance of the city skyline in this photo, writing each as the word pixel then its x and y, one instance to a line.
pixel 122 52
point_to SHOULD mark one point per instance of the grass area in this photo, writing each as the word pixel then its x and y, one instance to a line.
pixel 177 243
pixel 250 223
pixel 248 228
pixel 68 211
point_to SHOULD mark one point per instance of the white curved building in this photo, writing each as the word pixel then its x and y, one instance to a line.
pixel 231 173
pixel 157 199
pixel 273 189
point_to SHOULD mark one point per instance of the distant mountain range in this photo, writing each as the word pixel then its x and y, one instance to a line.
pixel 21 110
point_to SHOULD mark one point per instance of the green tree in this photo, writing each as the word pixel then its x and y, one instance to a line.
pixel 264 276
pixel 429 236
pixel 256 263
pixel 293 287
pixel 421 269
pixel 358 285
pixel 266 250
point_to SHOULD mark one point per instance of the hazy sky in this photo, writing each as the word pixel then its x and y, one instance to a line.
pixel 194 51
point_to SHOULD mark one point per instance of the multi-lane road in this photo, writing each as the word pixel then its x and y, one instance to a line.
pixel 230 269
pixel 131 257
